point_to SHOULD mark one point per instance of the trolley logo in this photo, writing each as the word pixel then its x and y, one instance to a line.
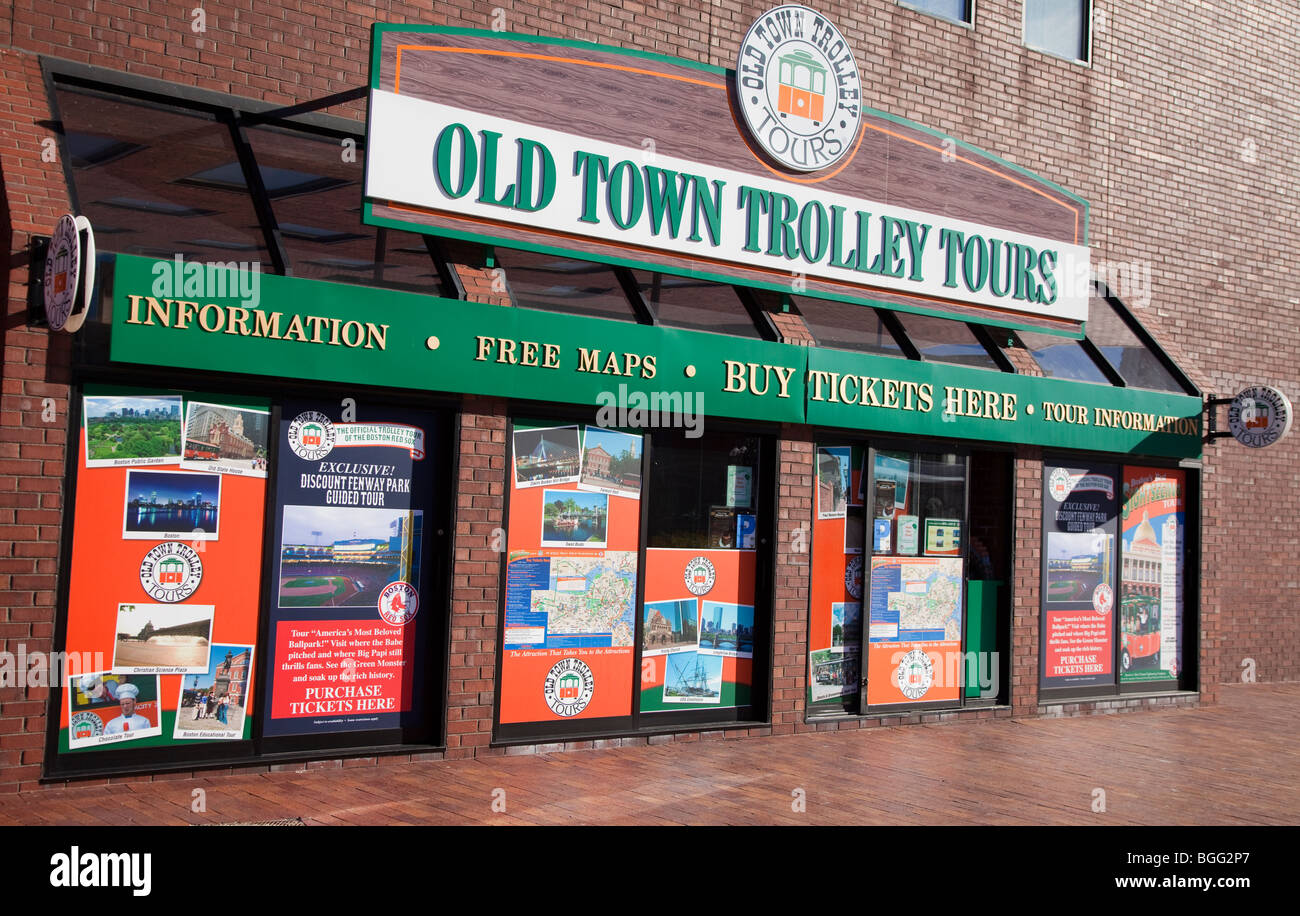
pixel 568 687
pixel 398 603
pixel 798 87
pixel 1103 599
pixel 699 576
pixel 86 725
pixel 62 269
pixel 1062 483
pixel 1259 416
pixel 853 577
pixel 915 674
pixel 171 572
pixel 103 869
pixel 311 435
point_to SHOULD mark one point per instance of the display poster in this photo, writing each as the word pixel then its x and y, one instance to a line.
pixel 350 600
pixel 914 629
pixel 835 598
pixel 740 482
pixel 572 542
pixel 698 629
pixel 163 570
pixel 1080 505
pixel 832 481
pixel 1151 574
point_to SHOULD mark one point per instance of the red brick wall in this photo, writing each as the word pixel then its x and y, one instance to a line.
pixel 1026 571
pixel 1180 133
pixel 794 506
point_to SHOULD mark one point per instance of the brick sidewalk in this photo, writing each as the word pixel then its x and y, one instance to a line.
pixel 1234 763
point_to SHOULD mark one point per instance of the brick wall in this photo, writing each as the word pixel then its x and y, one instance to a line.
pixel 1180 133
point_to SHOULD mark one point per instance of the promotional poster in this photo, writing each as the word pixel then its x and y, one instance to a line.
pixel 1080 505
pixel 698 628
pixel 349 604
pixel 161 561
pixel 572 538
pixel 1151 577
pixel 835 604
pixel 914 630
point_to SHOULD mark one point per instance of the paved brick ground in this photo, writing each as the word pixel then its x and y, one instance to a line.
pixel 1237 762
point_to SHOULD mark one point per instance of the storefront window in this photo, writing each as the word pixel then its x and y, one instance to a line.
pixel 683 302
pixel 557 284
pixel 131 166
pixel 1060 357
pixel 701 614
pixel 1131 358
pixel 846 326
pixel 941 340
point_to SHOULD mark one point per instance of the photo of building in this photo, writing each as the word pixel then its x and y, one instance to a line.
pixel 1006 251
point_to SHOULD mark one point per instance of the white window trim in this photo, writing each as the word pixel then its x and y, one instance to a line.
pixel 907 4
pixel 1024 30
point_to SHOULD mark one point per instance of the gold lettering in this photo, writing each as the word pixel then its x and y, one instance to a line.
pixel 891 394
pixel 843 389
pixel 783 376
pixel 630 361
pixel 267 325
pixel 334 331
pixel 506 351
pixel 587 360
pixel 357 334
pixel 550 356
pixel 220 320
pixel 376 334
pixel 296 330
pixel 735 376
pixel 528 353
pixel 648 369
pixel 485 344
pixel 237 317
pixel 926 396
pixel 184 313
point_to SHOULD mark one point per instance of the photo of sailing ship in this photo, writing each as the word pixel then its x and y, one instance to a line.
pixel 693 678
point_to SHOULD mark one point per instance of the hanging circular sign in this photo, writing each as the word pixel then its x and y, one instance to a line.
pixel 1259 416
pixel 62 271
pixel 568 687
pixel 798 88
pixel 853 577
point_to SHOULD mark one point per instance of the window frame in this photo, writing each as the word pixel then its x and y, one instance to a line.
pixel 1085 40
pixel 916 7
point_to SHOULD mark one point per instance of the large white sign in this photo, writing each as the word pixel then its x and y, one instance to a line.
pixel 492 170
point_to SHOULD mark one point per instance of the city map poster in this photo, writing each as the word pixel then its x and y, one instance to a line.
pixel 914 630
pixel 147 538
pixel 1077 645
pixel 1151 574
pixel 698 629
pixel 350 607
pixel 571 577
pixel 837 555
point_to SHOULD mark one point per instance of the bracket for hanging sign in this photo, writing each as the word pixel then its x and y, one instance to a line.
pixel 1258 416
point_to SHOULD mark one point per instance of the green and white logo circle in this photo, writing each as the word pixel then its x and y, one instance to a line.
pixel 798 88
pixel 1259 416
pixel 171 572
pixel 311 435
pixel 568 687
pixel 699 576
pixel 915 674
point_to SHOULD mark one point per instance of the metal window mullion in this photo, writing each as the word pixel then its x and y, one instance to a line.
pixel 645 314
pixel 1107 369
pixel 895 327
pixel 261 200
pixel 994 351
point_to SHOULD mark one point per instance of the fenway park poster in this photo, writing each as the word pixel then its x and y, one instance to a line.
pixel 347 590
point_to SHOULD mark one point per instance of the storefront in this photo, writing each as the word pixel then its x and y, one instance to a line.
pixel 799 416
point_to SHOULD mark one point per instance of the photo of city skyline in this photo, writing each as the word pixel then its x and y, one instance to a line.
pixel 172 504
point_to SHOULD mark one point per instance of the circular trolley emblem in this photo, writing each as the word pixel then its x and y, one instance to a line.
pixel 568 687
pixel 1103 599
pixel 311 435
pixel 699 576
pixel 1060 484
pixel 1259 416
pixel 853 577
pixel 171 572
pixel 915 674
pixel 798 88
pixel 86 725
pixel 398 603
pixel 62 270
